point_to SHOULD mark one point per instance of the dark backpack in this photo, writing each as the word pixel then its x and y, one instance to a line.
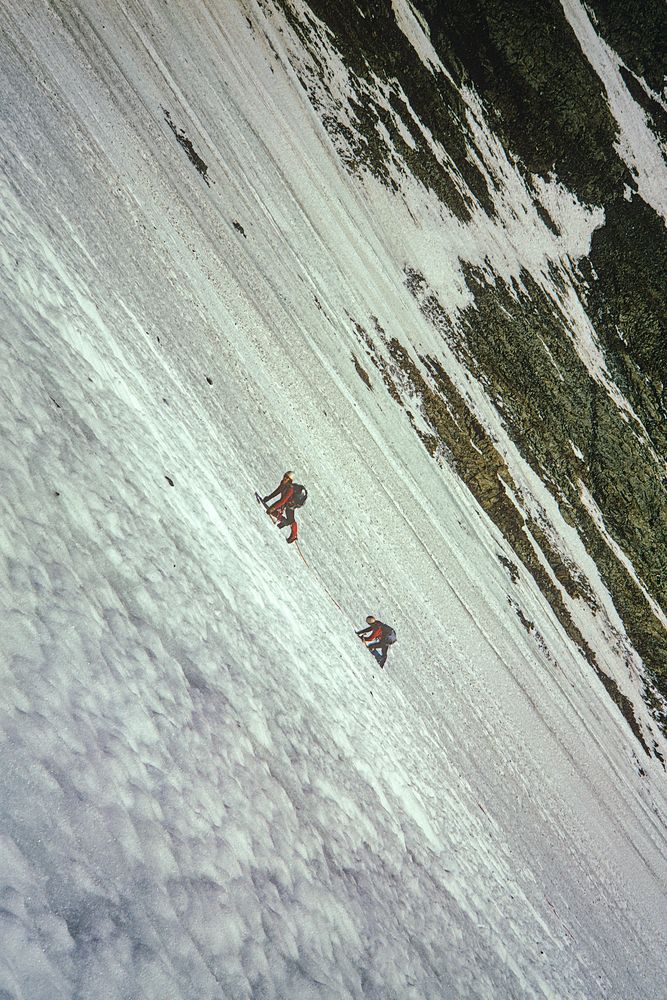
pixel 388 635
pixel 299 496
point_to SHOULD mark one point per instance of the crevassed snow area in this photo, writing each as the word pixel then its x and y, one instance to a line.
pixel 208 789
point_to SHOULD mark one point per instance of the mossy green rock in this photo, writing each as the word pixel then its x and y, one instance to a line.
pixel 548 106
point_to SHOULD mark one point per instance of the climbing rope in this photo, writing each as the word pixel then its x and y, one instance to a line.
pixel 323 584
pixel 311 568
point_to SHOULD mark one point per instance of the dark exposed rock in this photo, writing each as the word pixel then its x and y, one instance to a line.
pixel 186 144
pixel 545 99
pixel 528 625
pixel 626 295
pixel 625 705
pixel 374 48
pixel 518 347
pixel 362 373
pixel 483 469
pixel 604 464
pixel 511 567
pixel 636 30
pixel 655 113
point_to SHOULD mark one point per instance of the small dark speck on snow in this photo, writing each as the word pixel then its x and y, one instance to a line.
pixel 170 481
pixel 186 144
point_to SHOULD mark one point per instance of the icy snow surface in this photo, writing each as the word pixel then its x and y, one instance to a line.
pixel 208 789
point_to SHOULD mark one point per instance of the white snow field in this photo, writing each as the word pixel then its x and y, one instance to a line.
pixel 208 788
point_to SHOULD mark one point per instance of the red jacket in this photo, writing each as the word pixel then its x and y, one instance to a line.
pixel 372 632
pixel 285 489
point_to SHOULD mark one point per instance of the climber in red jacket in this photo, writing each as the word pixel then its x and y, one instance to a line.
pixel 378 638
pixel 292 495
pixel 285 489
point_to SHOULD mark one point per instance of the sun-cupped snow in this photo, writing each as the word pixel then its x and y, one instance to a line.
pixel 209 789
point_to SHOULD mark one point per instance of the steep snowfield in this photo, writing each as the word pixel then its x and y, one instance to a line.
pixel 208 789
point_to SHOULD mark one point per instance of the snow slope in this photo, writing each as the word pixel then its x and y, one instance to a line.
pixel 208 788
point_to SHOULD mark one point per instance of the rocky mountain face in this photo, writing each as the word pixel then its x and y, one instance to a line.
pixel 414 252
pixel 554 113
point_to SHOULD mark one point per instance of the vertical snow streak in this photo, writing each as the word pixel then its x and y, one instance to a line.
pixel 637 145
